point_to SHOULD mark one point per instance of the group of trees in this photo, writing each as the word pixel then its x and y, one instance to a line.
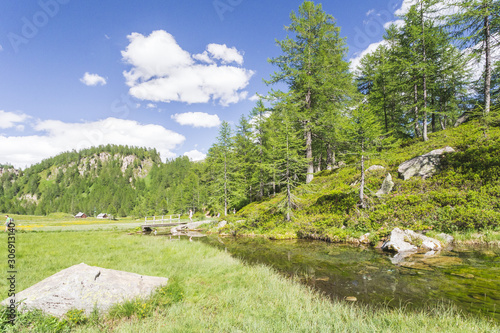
pixel 416 82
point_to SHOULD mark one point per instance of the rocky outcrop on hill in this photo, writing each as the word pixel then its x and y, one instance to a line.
pixel 83 287
pixel 423 166
pixel 386 187
pixel 374 168
pixel 462 119
pixel 8 170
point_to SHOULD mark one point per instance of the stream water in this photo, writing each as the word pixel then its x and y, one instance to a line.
pixel 467 278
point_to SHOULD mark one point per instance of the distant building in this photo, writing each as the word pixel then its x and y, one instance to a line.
pixel 81 215
pixel 102 216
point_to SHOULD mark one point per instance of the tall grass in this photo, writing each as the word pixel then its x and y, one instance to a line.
pixel 220 293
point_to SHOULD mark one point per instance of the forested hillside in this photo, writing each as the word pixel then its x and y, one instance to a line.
pixel 433 71
pixel 118 180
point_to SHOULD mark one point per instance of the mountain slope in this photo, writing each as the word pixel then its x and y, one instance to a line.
pixel 464 194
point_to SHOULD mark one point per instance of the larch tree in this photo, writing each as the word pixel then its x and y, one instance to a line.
pixel 362 131
pixel 259 116
pixel 219 159
pixel 313 68
pixel 286 160
pixel 476 23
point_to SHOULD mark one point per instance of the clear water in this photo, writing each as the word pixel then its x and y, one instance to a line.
pixel 467 278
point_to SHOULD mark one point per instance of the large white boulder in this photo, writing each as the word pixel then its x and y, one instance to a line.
pixel 398 242
pixel 423 166
pixel 83 287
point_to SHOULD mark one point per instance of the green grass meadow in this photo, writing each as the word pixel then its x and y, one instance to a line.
pixel 215 292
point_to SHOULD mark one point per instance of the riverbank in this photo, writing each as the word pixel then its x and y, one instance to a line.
pixel 219 293
pixel 470 238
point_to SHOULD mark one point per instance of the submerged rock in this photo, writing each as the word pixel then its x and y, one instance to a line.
pixel 443 261
pixel 424 166
pixel 401 256
pixel 84 287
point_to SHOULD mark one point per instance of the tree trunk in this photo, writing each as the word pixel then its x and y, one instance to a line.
pixel 487 69
pixel 424 78
pixel 362 186
pixel 308 135
pixel 415 110
pixel 385 112
pixel 329 158
pixel 288 192
pixel 261 175
pixel 274 183
pixel 318 163
pixel 309 157
pixel 433 116
pixel 225 185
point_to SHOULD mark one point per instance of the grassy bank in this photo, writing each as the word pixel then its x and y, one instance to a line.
pixel 220 293
pixel 462 198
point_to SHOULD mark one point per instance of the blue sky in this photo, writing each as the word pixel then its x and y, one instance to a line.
pixel 153 73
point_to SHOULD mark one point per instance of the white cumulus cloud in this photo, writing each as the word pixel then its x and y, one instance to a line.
pixel 357 59
pixel 56 136
pixel 195 155
pixel 225 54
pixel 163 72
pixel 92 79
pixel 254 98
pixel 197 119
pixel 12 119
